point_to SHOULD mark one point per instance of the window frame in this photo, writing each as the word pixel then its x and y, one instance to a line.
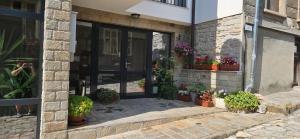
pixel 281 9
pixel 36 100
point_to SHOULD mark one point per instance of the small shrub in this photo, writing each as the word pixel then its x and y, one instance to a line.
pixel 141 83
pixel 168 91
pixel 106 96
pixel 79 105
pixel 242 101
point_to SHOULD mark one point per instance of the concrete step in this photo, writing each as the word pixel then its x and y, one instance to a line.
pixel 283 102
pixel 138 122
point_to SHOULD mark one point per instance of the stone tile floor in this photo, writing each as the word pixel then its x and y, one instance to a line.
pixel 217 125
pixel 135 110
pixel 285 128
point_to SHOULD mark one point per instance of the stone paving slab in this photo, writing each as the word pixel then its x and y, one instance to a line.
pixel 211 126
pixel 286 128
pixel 283 102
pixel 133 114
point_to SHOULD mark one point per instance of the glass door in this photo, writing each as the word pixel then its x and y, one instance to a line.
pixel 135 66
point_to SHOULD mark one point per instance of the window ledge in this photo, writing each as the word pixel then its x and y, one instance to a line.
pixel 275 14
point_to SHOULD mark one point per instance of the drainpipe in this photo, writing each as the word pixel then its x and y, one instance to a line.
pixel 193 26
pixel 250 86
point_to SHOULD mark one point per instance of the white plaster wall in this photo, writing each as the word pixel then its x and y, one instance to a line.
pixel 164 12
pixel 207 10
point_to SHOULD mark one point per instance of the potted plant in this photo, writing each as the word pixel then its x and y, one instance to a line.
pixel 219 99
pixel 106 96
pixel 229 64
pixel 79 108
pixel 206 99
pixel 167 90
pixel 183 94
pixel 195 90
pixel 183 49
pixel 141 84
pixel 188 63
pixel 242 102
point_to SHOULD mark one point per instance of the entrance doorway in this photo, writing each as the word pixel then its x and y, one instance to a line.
pixel 297 63
pixel 117 58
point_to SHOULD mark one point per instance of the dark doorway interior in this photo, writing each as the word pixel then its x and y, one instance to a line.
pixel 117 58
pixel 297 63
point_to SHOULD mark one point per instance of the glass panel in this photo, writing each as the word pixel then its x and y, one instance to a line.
pixel 109 81
pixel 20 62
pixel 81 61
pixel 109 49
pixel 22 5
pixel 160 49
pixel 136 53
pixel 22 125
pixel 136 63
pixel 272 5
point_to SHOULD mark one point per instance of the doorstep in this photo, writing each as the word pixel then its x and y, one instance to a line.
pixel 142 113
pixel 283 102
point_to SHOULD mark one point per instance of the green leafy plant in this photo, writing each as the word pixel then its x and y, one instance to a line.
pixel 242 101
pixel 197 88
pixel 106 96
pixel 141 83
pixel 79 105
pixel 209 62
pixel 168 91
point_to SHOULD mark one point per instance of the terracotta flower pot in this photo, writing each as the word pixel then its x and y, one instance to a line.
pixel 186 98
pixel 207 103
pixel 206 67
pixel 76 120
pixel 227 67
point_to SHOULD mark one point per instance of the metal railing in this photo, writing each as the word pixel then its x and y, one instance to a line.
pixel 181 3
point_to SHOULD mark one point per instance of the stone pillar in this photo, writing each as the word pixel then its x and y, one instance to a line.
pixel 56 66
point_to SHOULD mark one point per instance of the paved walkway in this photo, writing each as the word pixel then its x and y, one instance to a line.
pixel 288 127
pixel 218 125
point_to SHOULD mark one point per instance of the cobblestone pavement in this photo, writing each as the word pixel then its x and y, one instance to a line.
pixel 285 128
pixel 218 125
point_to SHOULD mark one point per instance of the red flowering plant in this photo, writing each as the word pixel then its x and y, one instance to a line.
pixel 228 61
pixel 207 96
pixel 183 49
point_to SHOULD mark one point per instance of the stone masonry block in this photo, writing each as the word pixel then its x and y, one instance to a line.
pixel 86 134
pixel 51 106
pixel 64 105
pixel 53 4
pixel 62 76
pixel 48 116
pixel 62 56
pixel 65 66
pixel 48 75
pixel 52 65
pixel 61 115
pixel 54 126
pixel 49 96
pixel 62 95
pixel 51 24
pixel 63 26
pixel 65 86
pixel 66 6
pixel 52 85
pixel 61 35
pixel 62 15
pixel 55 135
pixel 53 45
pixel 49 55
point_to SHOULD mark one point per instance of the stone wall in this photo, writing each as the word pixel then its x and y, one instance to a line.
pixel 218 80
pixel 14 128
pixel 222 37
pixel 56 66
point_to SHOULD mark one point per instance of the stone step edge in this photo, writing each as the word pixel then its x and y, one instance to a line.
pixel 288 109
pixel 103 131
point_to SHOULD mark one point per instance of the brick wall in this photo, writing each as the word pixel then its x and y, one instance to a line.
pixel 56 68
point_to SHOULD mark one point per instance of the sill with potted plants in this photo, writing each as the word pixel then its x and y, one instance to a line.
pixel 205 63
pixel 183 94
pixel 229 64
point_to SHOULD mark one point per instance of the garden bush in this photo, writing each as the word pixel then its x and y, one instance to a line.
pixel 106 96
pixel 79 105
pixel 242 101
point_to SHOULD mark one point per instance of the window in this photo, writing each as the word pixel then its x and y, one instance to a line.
pixel 276 7
pixel 20 65
pixel 112 42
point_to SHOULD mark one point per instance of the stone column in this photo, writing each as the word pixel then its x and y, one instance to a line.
pixel 56 66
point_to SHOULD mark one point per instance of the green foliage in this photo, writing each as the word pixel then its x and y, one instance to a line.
pixel 197 88
pixel 106 96
pixel 209 62
pixel 141 83
pixel 242 101
pixel 79 105
pixel 168 91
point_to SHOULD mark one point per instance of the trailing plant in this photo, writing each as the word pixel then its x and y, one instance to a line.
pixel 80 106
pixel 242 101
pixel 106 96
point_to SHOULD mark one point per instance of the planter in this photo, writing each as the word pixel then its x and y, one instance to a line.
pixel 76 120
pixel 184 98
pixel 198 101
pixel 207 103
pixel 219 103
pixel 206 67
pixel 227 67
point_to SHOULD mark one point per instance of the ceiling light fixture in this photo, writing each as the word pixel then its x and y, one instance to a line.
pixel 135 16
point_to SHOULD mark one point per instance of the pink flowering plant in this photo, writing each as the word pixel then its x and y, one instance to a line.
pixel 228 61
pixel 183 49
